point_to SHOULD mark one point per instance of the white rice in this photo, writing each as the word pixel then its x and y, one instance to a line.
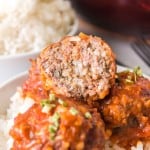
pixel 20 105
pixel 29 25
pixel 17 105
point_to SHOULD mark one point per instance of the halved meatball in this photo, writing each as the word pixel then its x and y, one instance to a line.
pixel 58 124
pixel 79 67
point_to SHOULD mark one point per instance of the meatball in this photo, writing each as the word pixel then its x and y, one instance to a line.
pixel 127 109
pixel 57 124
pixel 78 67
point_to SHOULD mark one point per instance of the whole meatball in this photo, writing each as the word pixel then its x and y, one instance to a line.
pixel 58 124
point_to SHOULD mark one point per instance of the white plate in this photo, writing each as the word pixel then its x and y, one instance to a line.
pixel 8 88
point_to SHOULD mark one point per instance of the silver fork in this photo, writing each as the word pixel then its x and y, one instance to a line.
pixel 142 47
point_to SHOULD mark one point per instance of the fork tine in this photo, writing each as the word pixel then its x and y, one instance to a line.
pixel 144 47
pixel 142 51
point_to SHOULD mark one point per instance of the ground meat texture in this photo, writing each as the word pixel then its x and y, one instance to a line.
pixel 73 126
pixel 78 67
pixel 126 111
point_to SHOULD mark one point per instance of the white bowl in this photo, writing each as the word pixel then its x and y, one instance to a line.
pixel 8 88
pixel 12 65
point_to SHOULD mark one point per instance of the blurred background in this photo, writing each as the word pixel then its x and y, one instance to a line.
pixel 26 28
pixel 124 24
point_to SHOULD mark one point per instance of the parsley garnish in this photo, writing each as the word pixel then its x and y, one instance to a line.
pixel 45 102
pixel 137 72
pixel 46 105
pixel 73 111
pixel 54 126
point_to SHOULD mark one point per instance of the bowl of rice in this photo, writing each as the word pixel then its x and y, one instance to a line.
pixel 13 103
pixel 26 27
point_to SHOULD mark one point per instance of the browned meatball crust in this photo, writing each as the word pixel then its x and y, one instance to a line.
pixel 79 67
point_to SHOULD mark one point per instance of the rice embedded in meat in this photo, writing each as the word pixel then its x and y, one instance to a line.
pixel 81 67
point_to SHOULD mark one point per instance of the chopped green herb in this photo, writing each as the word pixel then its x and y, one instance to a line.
pixel 55 125
pixel 46 105
pixel 52 97
pixel 88 115
pixel 55 119
pixel 73 111
pixel 52 130
pixel 61 102
pixel 45 102
pixel 138 71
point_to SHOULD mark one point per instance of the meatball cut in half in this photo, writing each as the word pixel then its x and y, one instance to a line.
pixel 78 67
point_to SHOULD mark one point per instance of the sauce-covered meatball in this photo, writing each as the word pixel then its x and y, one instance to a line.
pixel 127 109
pixel 57 124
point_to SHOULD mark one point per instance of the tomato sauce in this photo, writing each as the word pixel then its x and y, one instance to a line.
pixel 33 86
